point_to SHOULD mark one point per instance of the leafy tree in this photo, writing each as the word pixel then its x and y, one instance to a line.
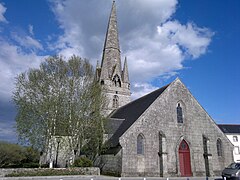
pixel 82 162
pixel 13 155
pixel 31 155
pixel 10 155
pixel 60 98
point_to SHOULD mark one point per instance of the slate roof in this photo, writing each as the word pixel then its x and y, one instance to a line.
pixel 230 128
pixel 131 112
pixel 112 125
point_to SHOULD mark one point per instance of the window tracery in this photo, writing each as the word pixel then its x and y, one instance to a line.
pixel 116 81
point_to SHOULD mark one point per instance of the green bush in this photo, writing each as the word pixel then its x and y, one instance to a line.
pixel 30 165
pixel 44 166
pixel 15 156
pixel 83 162
pixel 16 165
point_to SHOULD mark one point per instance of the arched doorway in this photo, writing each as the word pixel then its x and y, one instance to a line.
pixel 184 159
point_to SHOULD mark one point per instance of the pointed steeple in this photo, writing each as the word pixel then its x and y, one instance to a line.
pixel 111 40
pixel 111 51
pixel 97 66
pixel 97 72
pixel 125 76
pixel 113 80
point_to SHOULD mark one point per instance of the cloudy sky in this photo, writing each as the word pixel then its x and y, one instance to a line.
pixel 196 40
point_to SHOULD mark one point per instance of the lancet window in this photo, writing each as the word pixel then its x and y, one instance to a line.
pixel 115 101
pixel 179 113
pixel 140 144
pixel 116 81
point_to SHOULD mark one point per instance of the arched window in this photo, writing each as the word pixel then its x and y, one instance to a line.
pixel 115 101
pixel 102 82
pixel 219 147
pixel 116 81
pixel 140 144
pixel 179 113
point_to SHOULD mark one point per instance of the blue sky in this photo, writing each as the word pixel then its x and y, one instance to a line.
pixel 196 40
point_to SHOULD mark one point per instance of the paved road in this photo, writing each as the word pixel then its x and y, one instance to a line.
pixel 105 178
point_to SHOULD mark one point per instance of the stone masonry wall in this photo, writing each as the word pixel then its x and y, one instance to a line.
pixel 82 171
pixel 161 117
pixel 111 164
pixel 110 91
pixel 59 149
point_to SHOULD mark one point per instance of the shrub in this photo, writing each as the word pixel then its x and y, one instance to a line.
pixel 30 165
pixel 44 166
pixel 83 162
pixel 15 156
pixel 11 155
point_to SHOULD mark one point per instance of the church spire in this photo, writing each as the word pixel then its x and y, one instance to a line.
pixel 111 40
pixel 125 72
pixel 97 72
pixel 113 80
pixel 111 51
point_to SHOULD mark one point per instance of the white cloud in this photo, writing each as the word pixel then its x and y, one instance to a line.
pixel 27 42
pixel 149 57
pixel 70 42
pixel 18 53
pixel 156 44
pixel 30 29
pixel 148 11
pixel 163 51
pixel 12 62
pixel 141 89
pixel 2 11
pixel 193 39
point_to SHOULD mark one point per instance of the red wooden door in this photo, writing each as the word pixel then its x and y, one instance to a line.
pixel 184 159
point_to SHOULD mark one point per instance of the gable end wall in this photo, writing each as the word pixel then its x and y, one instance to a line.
pixel 161 117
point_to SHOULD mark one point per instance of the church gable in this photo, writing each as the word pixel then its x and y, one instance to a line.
pixel 178 106
pixel 164 133
pixel 176 118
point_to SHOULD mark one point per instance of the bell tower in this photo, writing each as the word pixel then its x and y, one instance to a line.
pixel 114 81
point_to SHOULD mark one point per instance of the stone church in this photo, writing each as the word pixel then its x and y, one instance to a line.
pixel 164 133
